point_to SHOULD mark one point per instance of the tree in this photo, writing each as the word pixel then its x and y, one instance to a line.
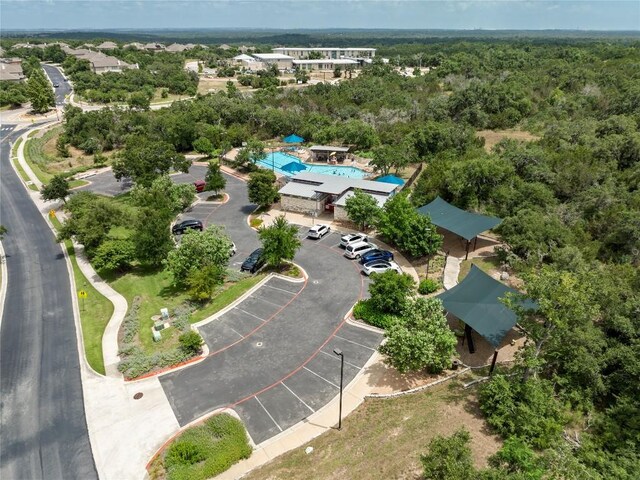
pixel 202 282
pixel 203 145
pixel 3 231
pixel 421 340
pixel 197 250
pixel 152 237
pixel 407 229
pixel 383 158
pixel 262 188
pixel 139 100
pixel 301 75
pixel 62 147
pixel 114 255
pixel 449 458
pixel 337 72
pixel 391 292
pixel 362 209
pixel 40 92
pixel 56 189
pixel 164 196
pixel 251 154
pixel 214 179
pixel 144 159
pixel 279 241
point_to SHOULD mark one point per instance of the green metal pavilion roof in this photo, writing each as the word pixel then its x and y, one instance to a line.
pixel 476 301
pixel 464 224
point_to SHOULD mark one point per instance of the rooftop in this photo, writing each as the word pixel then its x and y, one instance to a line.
pixel 336 61
pixel 272 56
pixel 328 148
pixel 315 49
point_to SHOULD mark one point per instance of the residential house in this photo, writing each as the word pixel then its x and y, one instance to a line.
pixel 11 70
pixel 107 46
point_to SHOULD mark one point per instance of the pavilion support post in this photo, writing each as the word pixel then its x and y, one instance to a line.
pixel 466 257
pixel 493 362
pixel 475 242
pixel 467 333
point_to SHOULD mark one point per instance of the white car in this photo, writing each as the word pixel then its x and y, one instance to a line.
pixel 318 231
pixel 352 238
pixel 233 250
pixel 356 250
pixel 380 266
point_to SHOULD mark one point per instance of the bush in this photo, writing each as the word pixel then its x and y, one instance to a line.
pixel 131 322
pixel 390 291
pixel 207 450
pixel 191 342
pixel 428 286
pixel 114 255
pixel 365 311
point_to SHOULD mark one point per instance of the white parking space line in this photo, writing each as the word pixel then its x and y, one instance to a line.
pixel 321 377
pixel 239 334
pixel 281 289
pixel 267 301
pixel 301 401
pixel 250 314
pixel 337 359
pixel 355 343
pixel 267 412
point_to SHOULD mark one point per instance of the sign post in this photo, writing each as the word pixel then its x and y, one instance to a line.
pixel 82 294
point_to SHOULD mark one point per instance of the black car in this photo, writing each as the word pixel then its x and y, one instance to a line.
pixel 181 227
pixel 56 85
pixel 253 262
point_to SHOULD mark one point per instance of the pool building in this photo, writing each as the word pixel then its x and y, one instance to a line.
pixel 315 193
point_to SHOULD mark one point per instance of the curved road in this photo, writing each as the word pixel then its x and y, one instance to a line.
pixel 43 432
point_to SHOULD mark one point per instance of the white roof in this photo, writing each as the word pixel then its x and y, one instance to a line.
pixel 245 57
pixel 328 148
pixel 312 49
pixel 304 190
pixel 337 61
pixel 272 56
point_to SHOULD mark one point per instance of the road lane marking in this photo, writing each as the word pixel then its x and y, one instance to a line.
pixel 250 314
pixel 321 377
pixel 301 401
pixel 267 301
pixel 281 289
pixel 267 412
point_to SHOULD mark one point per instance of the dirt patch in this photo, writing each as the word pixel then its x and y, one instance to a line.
pixel 76 159
pixel 384 438
pixel 492 137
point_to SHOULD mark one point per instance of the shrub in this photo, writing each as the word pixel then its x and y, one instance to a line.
pixel 428 286
pixel 364 310
pixel 131 322
pixel 114 255
pixel 191 342
pixel 390 291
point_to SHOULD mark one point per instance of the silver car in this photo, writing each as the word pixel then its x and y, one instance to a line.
pixel 318 231
pixel 352 238
pixel 356 250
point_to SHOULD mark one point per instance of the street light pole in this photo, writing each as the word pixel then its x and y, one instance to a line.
pixel 338 352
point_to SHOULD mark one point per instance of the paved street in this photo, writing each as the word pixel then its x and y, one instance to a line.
pixel 43 429
pixel 56 76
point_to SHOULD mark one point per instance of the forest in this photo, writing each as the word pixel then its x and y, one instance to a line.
pixel 570 200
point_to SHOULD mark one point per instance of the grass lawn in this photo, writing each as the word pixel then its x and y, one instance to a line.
pixel 156 290
pixel 384 438
pixel 21 172
pixel 203 451
pixel 486 264
pixel 38 160
pixel 95 312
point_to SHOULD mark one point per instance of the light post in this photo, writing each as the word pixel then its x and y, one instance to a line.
pixel 338 352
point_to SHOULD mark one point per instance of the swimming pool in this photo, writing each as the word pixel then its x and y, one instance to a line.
pixel 276 160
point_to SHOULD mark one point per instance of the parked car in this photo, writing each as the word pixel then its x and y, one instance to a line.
pixel 318 231
pixel 233 250
pixel 56 85
pixel 190 223
pixel 352 238
pixel 253 262
pixel 356 250
pixel 376 254
pixel 200 185
pixel 380 266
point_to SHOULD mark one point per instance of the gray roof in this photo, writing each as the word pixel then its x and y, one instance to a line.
pixel 304 190
pixel 464 224
pixel 272 56
pixel 328 148
pixel 245 57
pixel 342 201
pixel 337 185
pixel 11 72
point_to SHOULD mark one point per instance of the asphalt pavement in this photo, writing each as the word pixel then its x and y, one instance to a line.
pixel 43 430
pixel 56 77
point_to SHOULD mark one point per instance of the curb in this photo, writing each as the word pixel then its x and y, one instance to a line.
pixel 4 280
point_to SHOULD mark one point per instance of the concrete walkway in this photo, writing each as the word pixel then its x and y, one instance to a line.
pixel 451 272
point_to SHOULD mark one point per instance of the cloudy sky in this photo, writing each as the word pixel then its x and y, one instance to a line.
pixel 289 14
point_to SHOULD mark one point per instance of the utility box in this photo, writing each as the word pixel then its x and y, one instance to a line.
pixel 156 335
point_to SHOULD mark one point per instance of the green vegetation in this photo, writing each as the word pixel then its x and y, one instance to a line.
pixel 13 94
pixel 203 451
pixel 427 286
pixel 262 187
pixel 95 311
pixel 20 170
pixel 280 241
pixel 362 209
pixel 39 91
pixel 487 264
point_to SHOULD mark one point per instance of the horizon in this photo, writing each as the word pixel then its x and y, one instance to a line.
pixel 301 15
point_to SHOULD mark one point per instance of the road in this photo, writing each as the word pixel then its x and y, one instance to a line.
pixel 56 77
pixel 43 430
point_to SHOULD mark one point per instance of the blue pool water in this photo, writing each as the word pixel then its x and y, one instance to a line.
pixel 276 160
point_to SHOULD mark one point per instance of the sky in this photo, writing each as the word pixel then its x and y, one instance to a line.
pixel 294 14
